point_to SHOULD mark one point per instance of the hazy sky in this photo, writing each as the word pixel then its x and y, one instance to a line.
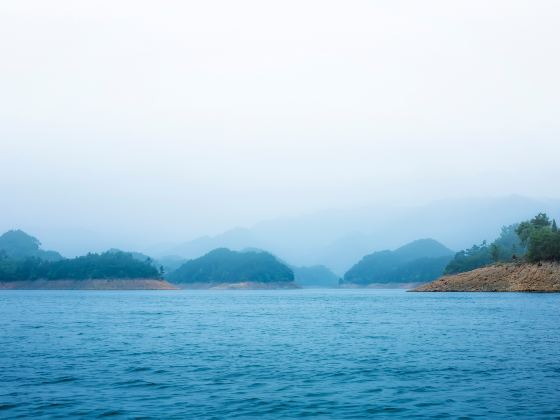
pixel 171 119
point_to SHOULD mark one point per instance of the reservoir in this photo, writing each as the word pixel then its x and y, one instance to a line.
pixel 330 354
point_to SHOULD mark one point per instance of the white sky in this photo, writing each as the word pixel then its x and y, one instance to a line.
pixel 177 118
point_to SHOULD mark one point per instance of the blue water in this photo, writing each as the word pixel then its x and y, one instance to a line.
pixel 278 354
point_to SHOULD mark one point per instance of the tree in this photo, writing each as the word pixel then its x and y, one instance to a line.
pixel 541 237
pixel 91 266
pixel 506 248
pixel 526 229
pixel 540 220
pixel 495 252
pixel 544 245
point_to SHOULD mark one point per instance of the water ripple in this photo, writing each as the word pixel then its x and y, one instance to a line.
pixel 278 354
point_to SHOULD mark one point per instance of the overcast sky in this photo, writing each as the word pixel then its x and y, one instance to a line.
pixel 177 118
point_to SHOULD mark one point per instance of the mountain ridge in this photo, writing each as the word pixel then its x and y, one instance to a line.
pixel 415 262
pixel 339 238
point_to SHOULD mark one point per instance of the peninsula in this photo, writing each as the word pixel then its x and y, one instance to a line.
pixel 525 258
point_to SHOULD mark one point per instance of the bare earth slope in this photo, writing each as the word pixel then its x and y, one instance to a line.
pixel 97 284
pixel 515 277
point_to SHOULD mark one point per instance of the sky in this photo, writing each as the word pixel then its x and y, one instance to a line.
pixel 163 121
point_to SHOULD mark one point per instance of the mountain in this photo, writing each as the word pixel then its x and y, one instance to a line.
pixel 338 238
pixel 235 239
pixel 315 276
pixel 422 248
pixel 419 261
pixel 17 244
pixel 222 266
pixel 170 263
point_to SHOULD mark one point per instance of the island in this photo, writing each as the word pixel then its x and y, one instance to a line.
pixel 24 265
pixel 223 268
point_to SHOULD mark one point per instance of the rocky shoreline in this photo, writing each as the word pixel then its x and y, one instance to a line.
pixel 405 286
pixel 513 277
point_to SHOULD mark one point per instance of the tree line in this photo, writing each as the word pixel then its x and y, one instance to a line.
pixel 533 241
pixel 107 265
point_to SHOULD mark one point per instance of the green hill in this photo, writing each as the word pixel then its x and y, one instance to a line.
pixel 225 266
pixel 22 259
pixel 419 261
pixel 109 265
pixel 19 245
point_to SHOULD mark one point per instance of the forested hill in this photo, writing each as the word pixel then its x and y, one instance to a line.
pixel 419 261
pixel 226 266
pixel 19 245
pixel 22 259
pixel 109 265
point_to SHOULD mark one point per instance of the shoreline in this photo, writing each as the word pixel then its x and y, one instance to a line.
pixel 247 285
pixel 541 277
pixel 92 284
pixel 388 286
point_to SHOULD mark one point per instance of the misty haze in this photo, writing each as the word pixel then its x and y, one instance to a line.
pixel 218 209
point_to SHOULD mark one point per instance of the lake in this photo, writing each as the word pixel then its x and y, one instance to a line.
pixel 278 354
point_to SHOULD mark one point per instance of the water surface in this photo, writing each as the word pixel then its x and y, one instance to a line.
pixel 278 354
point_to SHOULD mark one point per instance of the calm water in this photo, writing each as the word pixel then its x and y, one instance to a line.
pixel 278 354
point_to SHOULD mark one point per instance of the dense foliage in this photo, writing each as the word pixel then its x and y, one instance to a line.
pixel 225 266
pixel 19 245
pixel 109 265
pixel 542 238
pixel 536 240
pixel 506 248
pixel 419 261
pixel 470 259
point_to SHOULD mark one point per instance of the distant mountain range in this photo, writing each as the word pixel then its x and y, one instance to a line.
pixel 420 261
pixel 339 238
pixel 322 247
pixel 315 276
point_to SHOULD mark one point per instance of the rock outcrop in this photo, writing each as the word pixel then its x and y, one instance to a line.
pixel 512 277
